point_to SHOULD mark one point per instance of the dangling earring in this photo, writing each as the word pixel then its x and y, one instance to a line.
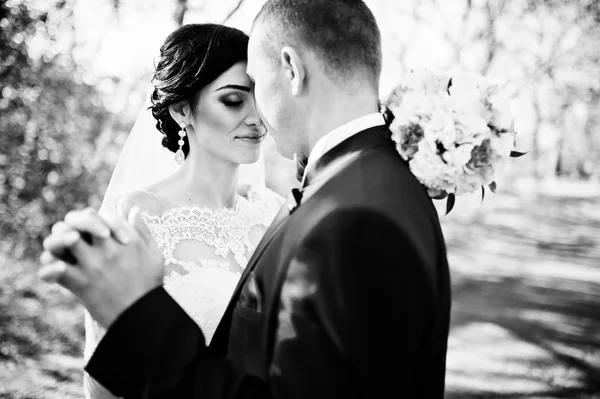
pixel 179 155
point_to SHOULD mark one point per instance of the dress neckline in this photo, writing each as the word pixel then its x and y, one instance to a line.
pixel 202 209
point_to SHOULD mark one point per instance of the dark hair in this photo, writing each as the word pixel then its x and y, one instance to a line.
pixel 191 57
pixel 343 33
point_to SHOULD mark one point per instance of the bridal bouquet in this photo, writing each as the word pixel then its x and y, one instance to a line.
pixel 454 130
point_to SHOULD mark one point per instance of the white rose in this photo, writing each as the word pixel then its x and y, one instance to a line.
pixel 467 91
pixel 471 128
pixel 429 168
pixel 472 180
pixel 503 143
pixel 407 137
pixel 416 104
pixel 459 155
pixel 467 81
pixel 465 186
pixel 441 128
pixel 426 82
pixel 480 170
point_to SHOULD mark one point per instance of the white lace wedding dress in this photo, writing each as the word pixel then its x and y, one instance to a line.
pixel 205 253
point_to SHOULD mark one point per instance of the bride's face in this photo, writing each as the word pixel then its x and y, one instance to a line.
pixel 224 120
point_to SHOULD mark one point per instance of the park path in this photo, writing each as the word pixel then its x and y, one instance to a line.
pixel 525 318
pixel 526 297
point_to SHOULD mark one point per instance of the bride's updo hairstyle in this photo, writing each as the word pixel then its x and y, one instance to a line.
pixel 191 57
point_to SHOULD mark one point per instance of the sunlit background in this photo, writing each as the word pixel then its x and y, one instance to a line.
pixel 525 262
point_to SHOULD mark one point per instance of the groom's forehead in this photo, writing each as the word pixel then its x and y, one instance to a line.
pixel 255 46
pixel 257 34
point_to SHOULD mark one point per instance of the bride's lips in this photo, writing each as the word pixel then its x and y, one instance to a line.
pixel 252 138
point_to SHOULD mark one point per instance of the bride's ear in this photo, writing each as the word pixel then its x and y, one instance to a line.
pixel 294 70
pixel 180 112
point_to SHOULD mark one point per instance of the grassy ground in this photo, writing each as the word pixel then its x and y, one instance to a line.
pixel 526 307
pixel 41 337
pixel 526 293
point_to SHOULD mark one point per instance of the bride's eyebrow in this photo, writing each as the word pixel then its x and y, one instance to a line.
pixel 236 87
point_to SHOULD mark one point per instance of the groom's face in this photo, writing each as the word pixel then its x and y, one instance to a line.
pixel 279 111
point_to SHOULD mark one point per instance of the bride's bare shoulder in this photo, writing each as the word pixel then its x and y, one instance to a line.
pixel 154 199
pixel 147 201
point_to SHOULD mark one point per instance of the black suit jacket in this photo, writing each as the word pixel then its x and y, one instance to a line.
pixel 347 296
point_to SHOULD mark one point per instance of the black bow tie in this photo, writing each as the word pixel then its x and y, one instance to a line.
pixel 388 115
pixel 295 201
pixel 300 167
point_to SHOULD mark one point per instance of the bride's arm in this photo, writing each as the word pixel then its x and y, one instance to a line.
pixel 93 332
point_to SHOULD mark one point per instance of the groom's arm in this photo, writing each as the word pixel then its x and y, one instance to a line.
pixel 355 308
pixel 155 350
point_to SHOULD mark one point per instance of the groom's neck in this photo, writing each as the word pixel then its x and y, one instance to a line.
pixel 331 112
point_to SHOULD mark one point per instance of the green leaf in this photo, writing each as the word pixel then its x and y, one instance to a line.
pixel 482 193
pixel 450 203
pixel 516 154
pixel 493 187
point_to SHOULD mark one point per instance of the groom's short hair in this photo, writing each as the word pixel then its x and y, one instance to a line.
pixel 343 33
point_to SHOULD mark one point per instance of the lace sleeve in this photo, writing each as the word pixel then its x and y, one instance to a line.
pixel 266 204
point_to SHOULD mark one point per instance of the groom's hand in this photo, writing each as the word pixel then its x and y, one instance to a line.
pixel 117 263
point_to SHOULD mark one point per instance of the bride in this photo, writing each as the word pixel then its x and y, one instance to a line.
pixel 204 216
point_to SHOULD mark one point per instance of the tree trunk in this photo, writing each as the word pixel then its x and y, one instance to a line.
pixel 535 151
pixel 180 11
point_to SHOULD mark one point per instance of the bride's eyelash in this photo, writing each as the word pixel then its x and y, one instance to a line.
pixel 232 104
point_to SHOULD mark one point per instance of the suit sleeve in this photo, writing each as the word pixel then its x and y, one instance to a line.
pixel 93 333
pixel 155 350
pixel 355 306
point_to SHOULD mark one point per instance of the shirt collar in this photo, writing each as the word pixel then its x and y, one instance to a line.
pixel 344 132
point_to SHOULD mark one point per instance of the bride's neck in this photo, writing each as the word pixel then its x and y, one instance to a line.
pixel 208 180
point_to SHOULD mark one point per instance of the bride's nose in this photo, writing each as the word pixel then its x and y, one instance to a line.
pixel 253 119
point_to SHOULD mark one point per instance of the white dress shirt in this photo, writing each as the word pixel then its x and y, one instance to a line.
pixel 341 133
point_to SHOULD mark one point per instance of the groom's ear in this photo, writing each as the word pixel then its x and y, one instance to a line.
pixel 294 70
pixel 180 112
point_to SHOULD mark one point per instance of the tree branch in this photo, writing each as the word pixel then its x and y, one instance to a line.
pixel 235 9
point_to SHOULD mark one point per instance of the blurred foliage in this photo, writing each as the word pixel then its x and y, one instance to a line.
pixel 48 118
pixel 572 74
pixel 543 53
pixel 63 122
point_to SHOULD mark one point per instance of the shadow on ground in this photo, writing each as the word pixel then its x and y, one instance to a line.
pixel 526 299
pixel 525 322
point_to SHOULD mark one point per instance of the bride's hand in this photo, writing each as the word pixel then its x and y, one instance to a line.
pixel 106 274
pixel 86 225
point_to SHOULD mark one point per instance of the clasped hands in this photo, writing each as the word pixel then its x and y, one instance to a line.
pixel 107 261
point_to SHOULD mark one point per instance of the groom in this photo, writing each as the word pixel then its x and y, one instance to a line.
pixel 347 295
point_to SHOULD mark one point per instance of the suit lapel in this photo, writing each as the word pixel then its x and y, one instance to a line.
pixel 317 175
pixel 346 151
pixel 278 222
pixel 221 336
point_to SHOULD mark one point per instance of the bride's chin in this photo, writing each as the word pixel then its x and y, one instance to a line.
pixel 249 157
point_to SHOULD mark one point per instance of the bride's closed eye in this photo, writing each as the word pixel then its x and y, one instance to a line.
pixel 233 101
pixel 236 96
